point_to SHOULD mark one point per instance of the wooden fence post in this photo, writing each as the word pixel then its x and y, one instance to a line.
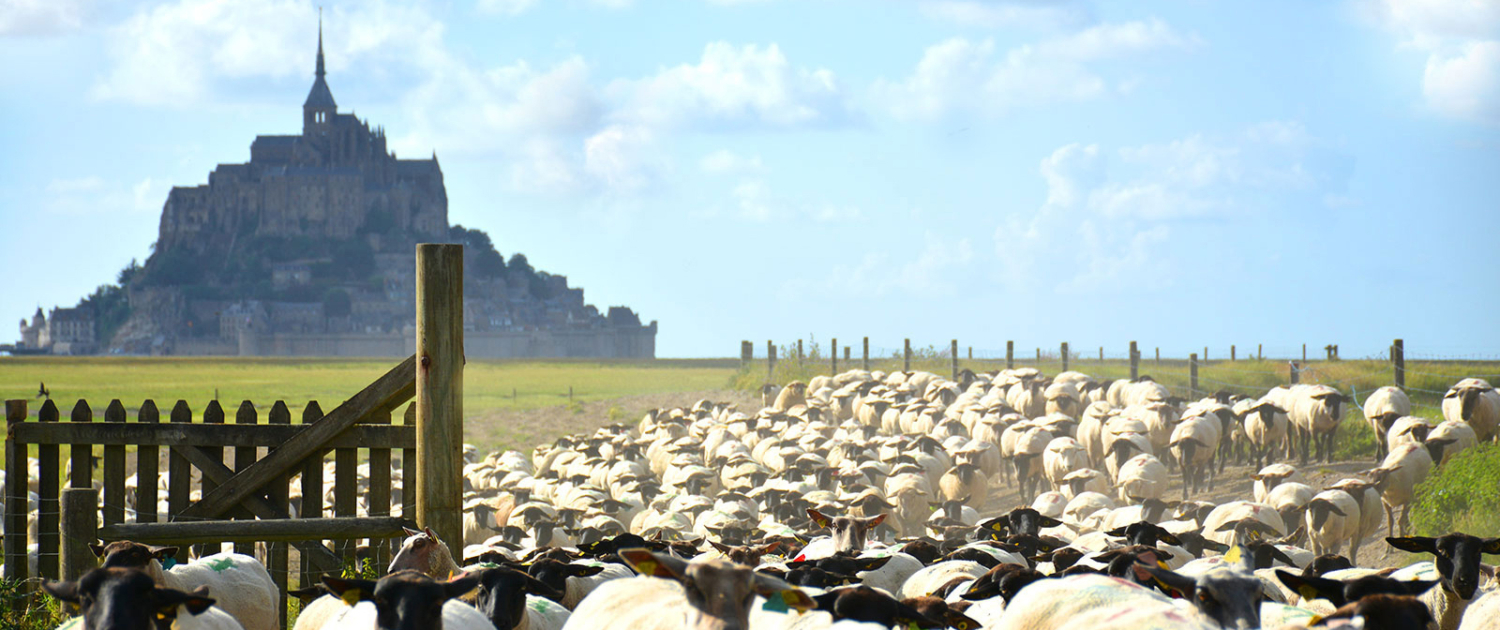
pixel 1039 358
pixel 1260 354
pixel 1010 355
pixel 1193 375
pixel 440 390
pixel 846 355
pixel 906 356
pixel 1304 353
pixel 1294 372
pixel 1398 361
pixel 800 356
pixel 1064 351
pixel 835 355
pixel 1231 353
pixel 971 353
pixel 1101 354
pixel 953 354
pixel 1135 362
pixel 1205 354
pixel 747 353
pixel 770 362
pixel 16 509
pixel 1158 356
pixel 80 522
pixel 866 363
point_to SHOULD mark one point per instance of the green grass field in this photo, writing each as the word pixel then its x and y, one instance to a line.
pixel 488 385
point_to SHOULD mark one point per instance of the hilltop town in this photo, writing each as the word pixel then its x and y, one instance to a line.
pixel 307 250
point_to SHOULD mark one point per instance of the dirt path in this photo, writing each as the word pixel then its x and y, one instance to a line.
pixel 523 430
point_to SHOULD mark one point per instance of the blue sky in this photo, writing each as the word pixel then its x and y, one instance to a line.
pixel 1180 173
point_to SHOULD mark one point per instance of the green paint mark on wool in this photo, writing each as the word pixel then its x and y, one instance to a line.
pixel 220 565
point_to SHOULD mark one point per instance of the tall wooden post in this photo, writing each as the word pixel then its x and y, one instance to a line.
pixel 1231 353
pixel 16 511
pixel 440 390
pixel 1039 358
pixel 770 362
pixel 1304 353
pixel 1205 354
pixel 906 356
pixel 747 353
pixel 1135 362
pixel 1064 351
pixel 1193 375
pixel 866 363
pixel 1294 374
pixel 1158 355
pixel 800 355
pixel 1101 354
pixel 953 354
pixel 846 355
pixel 1010 355
pixel 1260 354
pixel 80 522
pixel 835 355
pixel 1398 361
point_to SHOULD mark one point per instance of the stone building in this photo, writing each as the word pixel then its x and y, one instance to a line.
pixel 333 180
pixel 65 331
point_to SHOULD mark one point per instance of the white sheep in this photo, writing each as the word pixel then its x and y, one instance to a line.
pixel 1332 518
pixel 722 595
pixel 1316 413
pixel 1063 456
pixel 1382 408
pixel 240 584
pixel 1397 478
pixel 1451 438
pixel 1143 477
pixel 1406 430
pixel 930 578
pixel 1476 402
pixel 1266 427
pixel 1195 442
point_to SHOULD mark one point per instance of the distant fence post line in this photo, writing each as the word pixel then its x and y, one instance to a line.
pixel 1193 374
pixel 1135 362
pixel 1398 362
pixel 439 389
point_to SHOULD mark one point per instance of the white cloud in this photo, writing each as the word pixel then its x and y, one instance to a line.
pixel 1461 39
pixel 733 87
pixel 93 195
pixel 619 158
pixel 959 75
pixel 1465 86
pixel 40 17
pixel 726 162
pixel 998 14
pixel 754 200
pixel 1111 215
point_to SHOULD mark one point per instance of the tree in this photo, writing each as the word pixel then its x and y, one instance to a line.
pixel 518 263
pixel 336 303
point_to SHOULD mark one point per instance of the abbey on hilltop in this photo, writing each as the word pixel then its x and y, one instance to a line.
pixel 308 250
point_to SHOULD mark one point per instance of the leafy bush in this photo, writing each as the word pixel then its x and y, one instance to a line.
pixel 1462 495
pixel 23 609
pixel 1354 440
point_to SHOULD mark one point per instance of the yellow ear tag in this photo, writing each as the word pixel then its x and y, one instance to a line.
pixel 798 600
pixel 1314 620
pixel 1163 565
pixel 1233 557
pixel 1308 593
pixel 646 567
pixel 351 596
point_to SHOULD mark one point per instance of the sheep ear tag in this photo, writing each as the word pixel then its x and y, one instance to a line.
pixel 798 600
pixel 1233 556
pixel 351 596
pixel 1308 593
pixel 775 603
pixel 168 562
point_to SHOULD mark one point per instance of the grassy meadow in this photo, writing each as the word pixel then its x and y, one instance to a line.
pixel 489 386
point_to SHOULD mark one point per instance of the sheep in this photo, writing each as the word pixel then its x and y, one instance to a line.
pixel 574 580
pixel 795 393
pixel 1194 442
pixel 849 533
pixel 1315 414
pixel 1368 497
pixel 1332 518
pixel 1266 427
pixel 930 579
pixel 130 599
pixel 423 551
pixel 1063 456
pixel 1064 602
pixel 1220 524
pixel 1483 614
pixel 1143 477
pixel 964 483
pixel 513 600
pixel 1450 438
pixel 674 593
pixel 1458 558
pixel 1407 430
pixel 1268 478
pixel 240 584
pixel 1474 401
pixel 406 600
pixel 1381 410
pixel 1397 478
pixel 1290 500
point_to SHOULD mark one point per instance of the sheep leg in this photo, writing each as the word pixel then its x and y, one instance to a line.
pixel 1390 520
pixel 1354 549
pixel 1405 519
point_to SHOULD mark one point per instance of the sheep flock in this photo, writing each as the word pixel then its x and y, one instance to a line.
pixel 1012 500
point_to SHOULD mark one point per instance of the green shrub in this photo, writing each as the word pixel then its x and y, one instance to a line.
pixel 1462 495
pixel 1354 439
pixel 23 609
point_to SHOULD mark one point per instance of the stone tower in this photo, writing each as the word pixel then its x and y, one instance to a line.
pixel 319 109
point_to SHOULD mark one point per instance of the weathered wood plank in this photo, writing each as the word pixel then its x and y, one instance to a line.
pixel 212 415
pixel 380 487
pixel 147 467
pixel 391 389
pixel 277 559
pixel 440 388
pixel 243 457
pixel 16 563
pixel 409 466
pixel 230 435
pixel 286 530
pixel 179 473
pixel 82 474
pixel 345 494
pixel 49 471
pixel 114 469
pixel 80 518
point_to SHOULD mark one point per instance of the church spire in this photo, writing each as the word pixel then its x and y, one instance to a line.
pixel 320 72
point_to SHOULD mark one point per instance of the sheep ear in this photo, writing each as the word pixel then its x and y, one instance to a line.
pixel 586 571
pixel 98 549
pixel 872 564
pixel 1417 587
pixel 818 518
pixel 459 586
pixel 540 588
pixel 1169 539
pixel 1310 587
pixel 1414 544
pixel 352 591
pixel 1118 531
pixel 654 564
pixel 770 547
pixel 724 549
pixel 171 598
pixel 979 591
pixel 872 522
pixel 959 621
pixel 1047 521
pixel 1491 546
pixel 162 553
pixel 63 591
pixel 770 588
pixel 411 532
pixel 1168 579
